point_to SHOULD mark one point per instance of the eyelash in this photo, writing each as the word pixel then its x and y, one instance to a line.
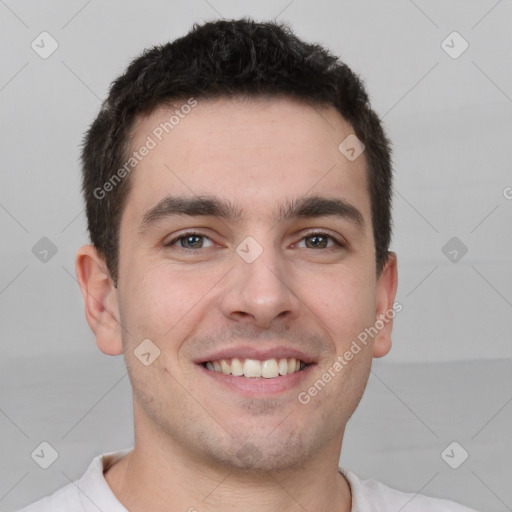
pixel 198 233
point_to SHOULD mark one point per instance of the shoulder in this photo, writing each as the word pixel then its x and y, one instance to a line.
pixel 64 499
pixel 88 494
pixel 374 496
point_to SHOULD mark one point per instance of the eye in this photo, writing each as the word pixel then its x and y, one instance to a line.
pixel 190 240
pixel 193 240
pixel 320 240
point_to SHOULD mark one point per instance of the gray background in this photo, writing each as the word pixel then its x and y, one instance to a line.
pixel 448 377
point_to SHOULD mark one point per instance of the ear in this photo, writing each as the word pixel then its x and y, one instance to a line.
pixel 100 299
pixel 386 290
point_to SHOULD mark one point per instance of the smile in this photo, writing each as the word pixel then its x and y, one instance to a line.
pixel 254 368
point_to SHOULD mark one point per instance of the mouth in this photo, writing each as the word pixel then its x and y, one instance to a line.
pixel 257 378
pixel 255 368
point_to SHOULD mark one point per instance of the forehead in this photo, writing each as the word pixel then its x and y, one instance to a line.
pixel 254 152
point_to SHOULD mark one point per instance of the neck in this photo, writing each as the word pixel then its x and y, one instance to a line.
pixel 160 479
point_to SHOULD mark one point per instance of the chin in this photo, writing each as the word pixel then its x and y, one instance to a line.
pixel 265 454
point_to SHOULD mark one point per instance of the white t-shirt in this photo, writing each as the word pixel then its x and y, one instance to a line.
pixel 92 493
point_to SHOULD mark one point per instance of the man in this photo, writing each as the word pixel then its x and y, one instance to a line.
pixel 238 189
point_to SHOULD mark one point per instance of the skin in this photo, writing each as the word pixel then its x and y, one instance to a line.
pixel 192 434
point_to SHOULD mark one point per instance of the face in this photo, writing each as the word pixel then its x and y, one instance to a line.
pixel 275 262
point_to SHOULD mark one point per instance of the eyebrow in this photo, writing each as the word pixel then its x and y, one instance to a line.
pixel 204 205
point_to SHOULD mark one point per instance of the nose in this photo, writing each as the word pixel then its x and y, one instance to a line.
pixel 260 292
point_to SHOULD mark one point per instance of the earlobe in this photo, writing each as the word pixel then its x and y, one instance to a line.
pixel 100 299
pixel 386 291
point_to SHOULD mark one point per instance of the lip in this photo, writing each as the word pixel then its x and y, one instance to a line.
pixel 260 353
pixel 259 387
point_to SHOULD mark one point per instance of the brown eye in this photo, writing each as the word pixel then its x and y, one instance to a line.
pixel 190 240
pixel 320 241
pixel 316 241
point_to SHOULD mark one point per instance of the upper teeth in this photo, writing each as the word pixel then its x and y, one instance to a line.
pixel 254 368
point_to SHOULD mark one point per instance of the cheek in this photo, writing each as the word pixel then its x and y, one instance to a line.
pixel 160 301
pixel 345 301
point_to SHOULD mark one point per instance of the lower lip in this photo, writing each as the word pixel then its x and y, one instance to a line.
pixel 259 386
